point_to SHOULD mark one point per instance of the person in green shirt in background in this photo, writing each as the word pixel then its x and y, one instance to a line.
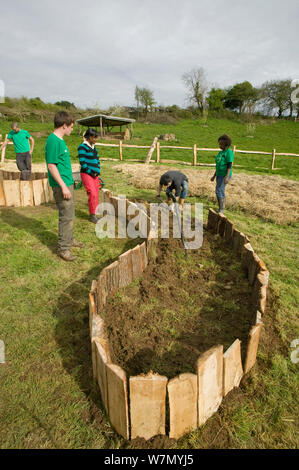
pixel 23 149
pixel 61 180
pixel 223 173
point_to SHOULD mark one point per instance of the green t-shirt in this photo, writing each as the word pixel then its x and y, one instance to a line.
pixel 222 159
pixel 20 140
pixel 57 152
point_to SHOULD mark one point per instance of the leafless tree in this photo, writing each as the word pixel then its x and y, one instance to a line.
pixel 197 87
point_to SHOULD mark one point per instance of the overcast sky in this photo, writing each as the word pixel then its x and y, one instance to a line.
pixel 96 52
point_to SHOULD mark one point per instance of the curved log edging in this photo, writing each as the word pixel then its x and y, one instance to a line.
pixel 136 405
pixel 18 193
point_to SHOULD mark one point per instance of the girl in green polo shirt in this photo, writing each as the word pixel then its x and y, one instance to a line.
pixel 223 173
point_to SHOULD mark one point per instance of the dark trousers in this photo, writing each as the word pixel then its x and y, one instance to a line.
pixel 24 164
pixel 66 209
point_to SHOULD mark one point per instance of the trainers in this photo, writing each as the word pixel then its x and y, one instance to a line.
pixel 66 255
pixel 93 218
pixel 77 244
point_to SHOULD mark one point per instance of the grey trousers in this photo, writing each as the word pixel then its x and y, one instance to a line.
pixel 66 209
pixel 24 164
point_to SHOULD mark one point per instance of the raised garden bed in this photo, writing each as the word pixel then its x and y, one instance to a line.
pixel 171 337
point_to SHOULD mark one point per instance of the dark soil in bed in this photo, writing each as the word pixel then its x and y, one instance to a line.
pixel 180 308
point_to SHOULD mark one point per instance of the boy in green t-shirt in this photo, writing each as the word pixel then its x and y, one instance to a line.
pixel 223 173
pixel 62 182
pixel 24 145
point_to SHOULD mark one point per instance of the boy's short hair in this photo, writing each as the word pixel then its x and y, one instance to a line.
pixel 14 125
pixel 226 139
pixel 165 179
pixel 61 118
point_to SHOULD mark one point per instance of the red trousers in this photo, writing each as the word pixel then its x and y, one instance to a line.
pixel 92 188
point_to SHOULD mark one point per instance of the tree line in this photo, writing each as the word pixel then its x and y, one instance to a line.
pixel 274 97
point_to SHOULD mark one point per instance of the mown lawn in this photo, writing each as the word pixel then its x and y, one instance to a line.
pixel 48 398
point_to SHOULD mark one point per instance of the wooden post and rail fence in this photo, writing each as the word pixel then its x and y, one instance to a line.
pixel 158 147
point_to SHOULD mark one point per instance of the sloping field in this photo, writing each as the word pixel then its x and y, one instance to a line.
pixel 269 197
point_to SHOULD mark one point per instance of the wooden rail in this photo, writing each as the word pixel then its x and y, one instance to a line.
pixel 158 147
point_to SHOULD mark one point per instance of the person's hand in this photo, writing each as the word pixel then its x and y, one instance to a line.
pixel 213 177
pixel 66 193
pixel 225 180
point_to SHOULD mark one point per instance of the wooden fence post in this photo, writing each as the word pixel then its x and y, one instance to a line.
pixel 273 158
pixel 120 150
pixel 194 154
pixel 158 152
pixel 3 151
pixel 153 146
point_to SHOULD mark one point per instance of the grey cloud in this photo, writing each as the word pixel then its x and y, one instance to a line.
pixel 98 52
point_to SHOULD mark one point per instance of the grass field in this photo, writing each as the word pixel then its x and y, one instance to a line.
pixel 48 398
pixel 282 135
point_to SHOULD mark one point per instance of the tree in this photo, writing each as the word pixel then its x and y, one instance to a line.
pixel 216 99
pixel 65 104
pixel 197 87
pixel 276 95
pixel 145 97
pixel 137 98
pixel 242 96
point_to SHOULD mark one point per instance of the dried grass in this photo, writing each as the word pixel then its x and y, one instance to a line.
pixel 269 197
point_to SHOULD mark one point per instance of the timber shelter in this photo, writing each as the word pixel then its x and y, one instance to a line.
pixel 104 124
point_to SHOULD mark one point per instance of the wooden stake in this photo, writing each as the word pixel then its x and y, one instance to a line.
pixel 101 125
pixel 194 154
pixel 273 159
pixel 153 146
pixel 234 152
pixel 120 150
pixel 3 151
pixel 158 152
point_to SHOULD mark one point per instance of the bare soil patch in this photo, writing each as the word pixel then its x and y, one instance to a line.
pixel 179 308
pixel 269 197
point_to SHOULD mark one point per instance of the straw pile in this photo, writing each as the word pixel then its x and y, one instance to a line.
pixel 269 197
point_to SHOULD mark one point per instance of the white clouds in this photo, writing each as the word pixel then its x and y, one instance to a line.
pixel 98 52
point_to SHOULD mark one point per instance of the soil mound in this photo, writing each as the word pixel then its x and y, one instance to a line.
pixel 179 308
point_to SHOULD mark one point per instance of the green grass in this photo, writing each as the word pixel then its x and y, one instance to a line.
pixel 282 135
pixel 48 398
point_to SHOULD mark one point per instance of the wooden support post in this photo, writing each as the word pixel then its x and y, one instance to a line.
pixel 3 151
pixel 120 150
pixel 101 126
pixel 158 152
pixel 194 155
pixel 234 152
pixel 153 146
pixel 273 158
pixel 131 125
